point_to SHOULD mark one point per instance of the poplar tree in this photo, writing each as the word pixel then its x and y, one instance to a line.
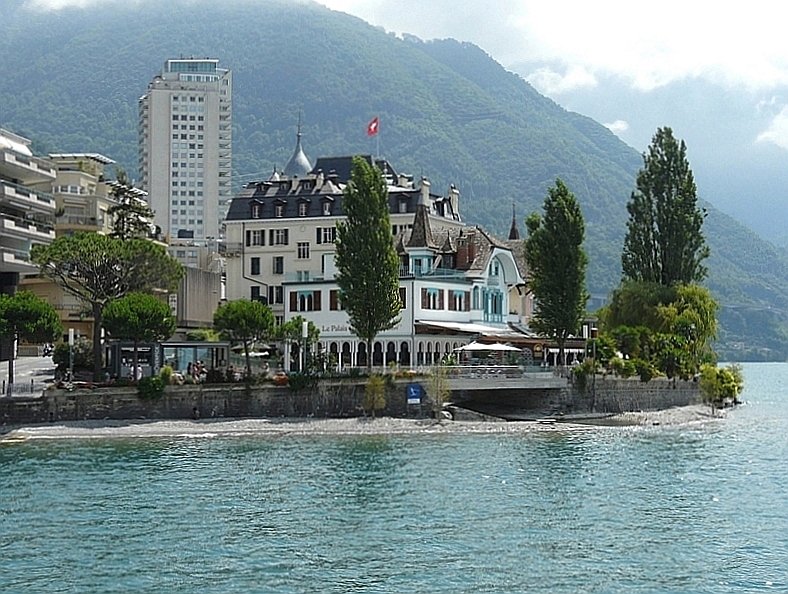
pixel 367 263
pixel 557 266
pixel 664 243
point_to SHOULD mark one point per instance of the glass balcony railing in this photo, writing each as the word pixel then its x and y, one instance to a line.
pixel 11 189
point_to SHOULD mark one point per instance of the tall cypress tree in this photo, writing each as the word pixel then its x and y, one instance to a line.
pixel 664 243
pixel 367 263
pixel 557 265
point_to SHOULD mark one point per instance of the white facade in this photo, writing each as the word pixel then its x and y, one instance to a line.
pixel 455 281
pixel 26 215
pixel 185 148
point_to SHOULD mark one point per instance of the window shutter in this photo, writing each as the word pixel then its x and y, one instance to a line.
pixel 332 300
pixel 317 298
pixel 287 236
pixel 318 235
pixel 270 237
pixel 293 301
pixel 425 299
pixel 467 301
pixel 403 295
pixel 262 237
pixel 248 238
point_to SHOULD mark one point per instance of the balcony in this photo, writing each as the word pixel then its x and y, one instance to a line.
pixel 231 248
pixel 25 229
pixel 29 169
pixel 437 273
pixel 15 261
pixel 26 199
pixel 73 220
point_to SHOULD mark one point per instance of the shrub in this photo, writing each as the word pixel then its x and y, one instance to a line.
pixel 718 385
pixel 374 395
pixel 301 381
pixel 645 370
pixel 150 388
pixel 581 373
pixel 165 373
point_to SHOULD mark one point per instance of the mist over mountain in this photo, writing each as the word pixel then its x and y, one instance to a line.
pixel 71 80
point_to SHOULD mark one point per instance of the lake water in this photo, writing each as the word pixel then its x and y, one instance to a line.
pixel 700 508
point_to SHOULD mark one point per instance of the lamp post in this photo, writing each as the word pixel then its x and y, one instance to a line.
pixel 304 336
pixel 70 354
pixel 593 357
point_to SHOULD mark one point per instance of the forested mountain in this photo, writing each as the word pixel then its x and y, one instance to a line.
pixel 70 80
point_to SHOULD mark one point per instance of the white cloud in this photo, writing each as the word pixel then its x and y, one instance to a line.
pixel 648 44
pixel 618 127
pixel 553 83
pixel 777 132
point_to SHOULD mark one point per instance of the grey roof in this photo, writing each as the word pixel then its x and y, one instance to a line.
pixel 298 165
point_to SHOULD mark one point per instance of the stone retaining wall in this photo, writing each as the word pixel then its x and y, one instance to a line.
pixel 339 398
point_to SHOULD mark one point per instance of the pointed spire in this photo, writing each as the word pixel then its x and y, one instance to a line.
pixel 298 165
pixel 514 233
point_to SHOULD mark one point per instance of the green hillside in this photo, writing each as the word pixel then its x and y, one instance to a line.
pixel 71 80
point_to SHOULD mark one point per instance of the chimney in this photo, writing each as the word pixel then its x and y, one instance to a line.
pixel 424 199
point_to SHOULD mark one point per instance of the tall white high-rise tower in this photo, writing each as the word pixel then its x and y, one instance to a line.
pixel 185 148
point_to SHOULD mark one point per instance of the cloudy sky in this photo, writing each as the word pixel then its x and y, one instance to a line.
pixel 716 72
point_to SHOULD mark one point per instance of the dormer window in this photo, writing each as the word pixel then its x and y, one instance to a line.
pixel 279 210
pixel 326 208
pixel 303 207
pixel 257 210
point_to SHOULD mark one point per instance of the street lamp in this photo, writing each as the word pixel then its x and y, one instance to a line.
pixel 593 357
pixel 70 354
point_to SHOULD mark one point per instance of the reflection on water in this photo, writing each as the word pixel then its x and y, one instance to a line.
pixel 601 509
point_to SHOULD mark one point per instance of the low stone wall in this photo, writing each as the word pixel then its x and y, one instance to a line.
pixel 334 398
pixel 341 398
pixel 616 395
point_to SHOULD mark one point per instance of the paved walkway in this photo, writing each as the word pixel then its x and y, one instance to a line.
pixel 38 370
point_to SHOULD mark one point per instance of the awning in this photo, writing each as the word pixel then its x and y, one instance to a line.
pixel 478 346
pixel 470 328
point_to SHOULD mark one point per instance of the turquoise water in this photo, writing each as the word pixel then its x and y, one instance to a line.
pixel 605 509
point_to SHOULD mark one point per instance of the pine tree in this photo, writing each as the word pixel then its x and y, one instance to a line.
pixel 557 265
pixel 367 263
pixel 664 243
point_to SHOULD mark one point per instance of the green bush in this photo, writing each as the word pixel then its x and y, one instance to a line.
pixel 645 370
pixel 165 373
pixel 622 367
pixel 301 381
pixel 150 388
pixel 581 373
pixel 374 395
pixel 718 385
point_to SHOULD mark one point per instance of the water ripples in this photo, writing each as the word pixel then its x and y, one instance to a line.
pixel 687 509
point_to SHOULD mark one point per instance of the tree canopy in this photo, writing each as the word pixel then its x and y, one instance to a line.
pixel 664 243
pixel 367 263
pixel 132 217
pixel 138 317
pixel 26 316
pixel 97 269
pixel 557 265
pixel 244 322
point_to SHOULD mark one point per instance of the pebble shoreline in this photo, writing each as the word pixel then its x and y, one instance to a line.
pixel 686 415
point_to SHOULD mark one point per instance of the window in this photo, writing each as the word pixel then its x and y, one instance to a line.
pixel 275 294
pixel 403 206
pixel 432 298
pixel 278 237
pixel 326 235
pixel 279 265
pixel 255 237
pixel 255 293
pixel 255 266
pixel 460 301
pixel 303 208
pixel 305 301
pixel 335 300
pixel 303 250
pixel 302 276
pixel 326 208
pixel 257 210
pixel 403 298
pixel 279 210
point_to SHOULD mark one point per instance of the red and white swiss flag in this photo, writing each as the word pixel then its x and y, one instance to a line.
pixel 373 127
